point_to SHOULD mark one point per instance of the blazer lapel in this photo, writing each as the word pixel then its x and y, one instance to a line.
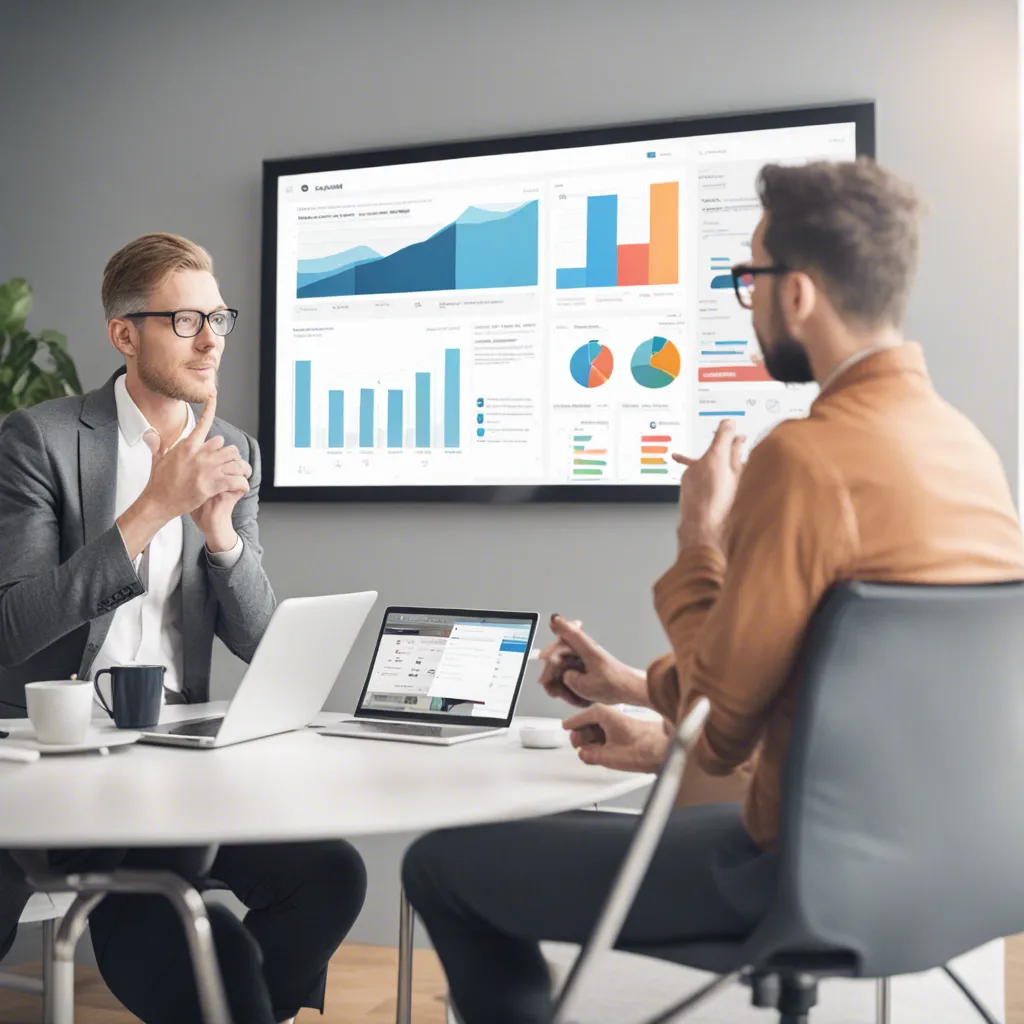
pixel 193 599
pixel 97 476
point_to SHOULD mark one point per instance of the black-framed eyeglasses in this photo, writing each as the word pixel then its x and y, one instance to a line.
pixel 743 275
pixel 187 323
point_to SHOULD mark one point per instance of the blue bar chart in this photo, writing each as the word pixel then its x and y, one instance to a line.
pixel 303 400
pixel 602 246
pixel 402 411
pixel 366 418
pixel 335 419
pixel 452 388
pixel 395 418
pixel 422 410
pixel 611 264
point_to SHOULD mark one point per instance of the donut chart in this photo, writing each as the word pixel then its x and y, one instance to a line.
pixel 591 364
pixel 655 363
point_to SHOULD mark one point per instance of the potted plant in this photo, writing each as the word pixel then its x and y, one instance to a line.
pixel 33 367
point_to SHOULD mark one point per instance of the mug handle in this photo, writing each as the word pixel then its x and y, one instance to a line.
pixel 96 687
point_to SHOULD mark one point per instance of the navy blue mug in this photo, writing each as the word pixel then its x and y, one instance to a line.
pixel 136 693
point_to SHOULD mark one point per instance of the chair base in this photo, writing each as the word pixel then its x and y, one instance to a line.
pixel 798 995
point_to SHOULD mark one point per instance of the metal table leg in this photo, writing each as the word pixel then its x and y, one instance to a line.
pixel 59 1001
pixel 406 924
pixel 883 1000
pixel 49 939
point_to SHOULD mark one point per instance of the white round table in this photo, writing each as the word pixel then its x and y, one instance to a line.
pixel 290 788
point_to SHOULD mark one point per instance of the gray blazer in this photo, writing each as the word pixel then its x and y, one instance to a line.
pixel 64 568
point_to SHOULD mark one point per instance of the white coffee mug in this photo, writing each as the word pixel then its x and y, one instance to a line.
pixel 60 710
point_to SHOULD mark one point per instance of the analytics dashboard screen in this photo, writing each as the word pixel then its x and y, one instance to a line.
pixel 431 663
pixel 557 318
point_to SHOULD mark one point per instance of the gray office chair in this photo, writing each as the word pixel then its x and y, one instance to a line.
pixel 58 989
pixel 902 831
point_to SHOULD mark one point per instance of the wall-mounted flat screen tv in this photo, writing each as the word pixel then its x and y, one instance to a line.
pixel 539 318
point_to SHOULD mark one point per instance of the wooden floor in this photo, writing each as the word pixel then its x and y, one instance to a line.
pixel 1015 980
pixel 360 990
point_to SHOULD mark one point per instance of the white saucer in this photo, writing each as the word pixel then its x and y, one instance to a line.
pixel 95 740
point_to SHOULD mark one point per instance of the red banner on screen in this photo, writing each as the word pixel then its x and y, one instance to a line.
pixel 731 374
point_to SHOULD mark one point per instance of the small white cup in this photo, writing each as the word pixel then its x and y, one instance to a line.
pixel 60 710
pixel 542 735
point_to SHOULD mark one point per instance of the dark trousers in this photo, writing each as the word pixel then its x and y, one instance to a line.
pixel 302 899
pixel 488 894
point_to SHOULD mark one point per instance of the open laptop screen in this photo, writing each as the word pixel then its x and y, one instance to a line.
pixel 448 666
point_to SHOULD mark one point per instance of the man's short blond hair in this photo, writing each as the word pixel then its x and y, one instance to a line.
pixel 134 271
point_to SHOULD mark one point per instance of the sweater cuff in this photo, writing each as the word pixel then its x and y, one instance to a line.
pixel 226 559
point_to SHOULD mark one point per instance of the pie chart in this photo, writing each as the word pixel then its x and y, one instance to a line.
pixel 591 364
pixel 655 363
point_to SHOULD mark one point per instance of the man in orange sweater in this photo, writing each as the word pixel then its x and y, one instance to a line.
pixel 883 481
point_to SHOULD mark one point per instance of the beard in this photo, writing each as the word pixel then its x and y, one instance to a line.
pixel 170 386
pixel 785 358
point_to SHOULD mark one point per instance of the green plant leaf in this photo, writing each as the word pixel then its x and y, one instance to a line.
pixel 19 359
pixel 15 304
pixel 52 338
pixel 40 386
pixel 32 369
pixel 65 373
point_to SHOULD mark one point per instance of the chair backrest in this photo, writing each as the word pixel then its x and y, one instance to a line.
pixel 902 832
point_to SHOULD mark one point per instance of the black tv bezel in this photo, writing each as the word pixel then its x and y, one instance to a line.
pixel 364 714
pixel 862 114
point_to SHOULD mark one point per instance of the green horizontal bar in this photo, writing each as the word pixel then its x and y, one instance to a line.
pixel 589 462
pixel 588 472
pixel 659 472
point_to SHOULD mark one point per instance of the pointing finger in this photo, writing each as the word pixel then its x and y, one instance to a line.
pixel 573 636
pixel 723 435
pixel 592 716
pixel 737 453
pixel 152 439
pixel 206 420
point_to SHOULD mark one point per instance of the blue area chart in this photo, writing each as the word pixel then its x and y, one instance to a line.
pixel 481 249
pixel 721 271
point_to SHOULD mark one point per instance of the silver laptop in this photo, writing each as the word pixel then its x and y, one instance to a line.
pixel 442 676
pixel 291 675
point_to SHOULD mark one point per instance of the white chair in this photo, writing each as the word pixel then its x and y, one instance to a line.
pixel 46 909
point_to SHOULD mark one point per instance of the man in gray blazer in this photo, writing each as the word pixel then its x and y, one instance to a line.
pixel 128 532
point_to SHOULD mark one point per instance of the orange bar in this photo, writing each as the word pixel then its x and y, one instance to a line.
pixel 654 450
pixel 719 374
pixel 652 462
pixel 655 437
pixel 664 252
pixel 593 451
pixel 632 265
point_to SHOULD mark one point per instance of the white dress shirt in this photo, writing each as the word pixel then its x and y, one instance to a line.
pixel 147 629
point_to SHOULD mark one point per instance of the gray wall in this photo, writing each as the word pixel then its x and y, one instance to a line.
pixel 123 117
